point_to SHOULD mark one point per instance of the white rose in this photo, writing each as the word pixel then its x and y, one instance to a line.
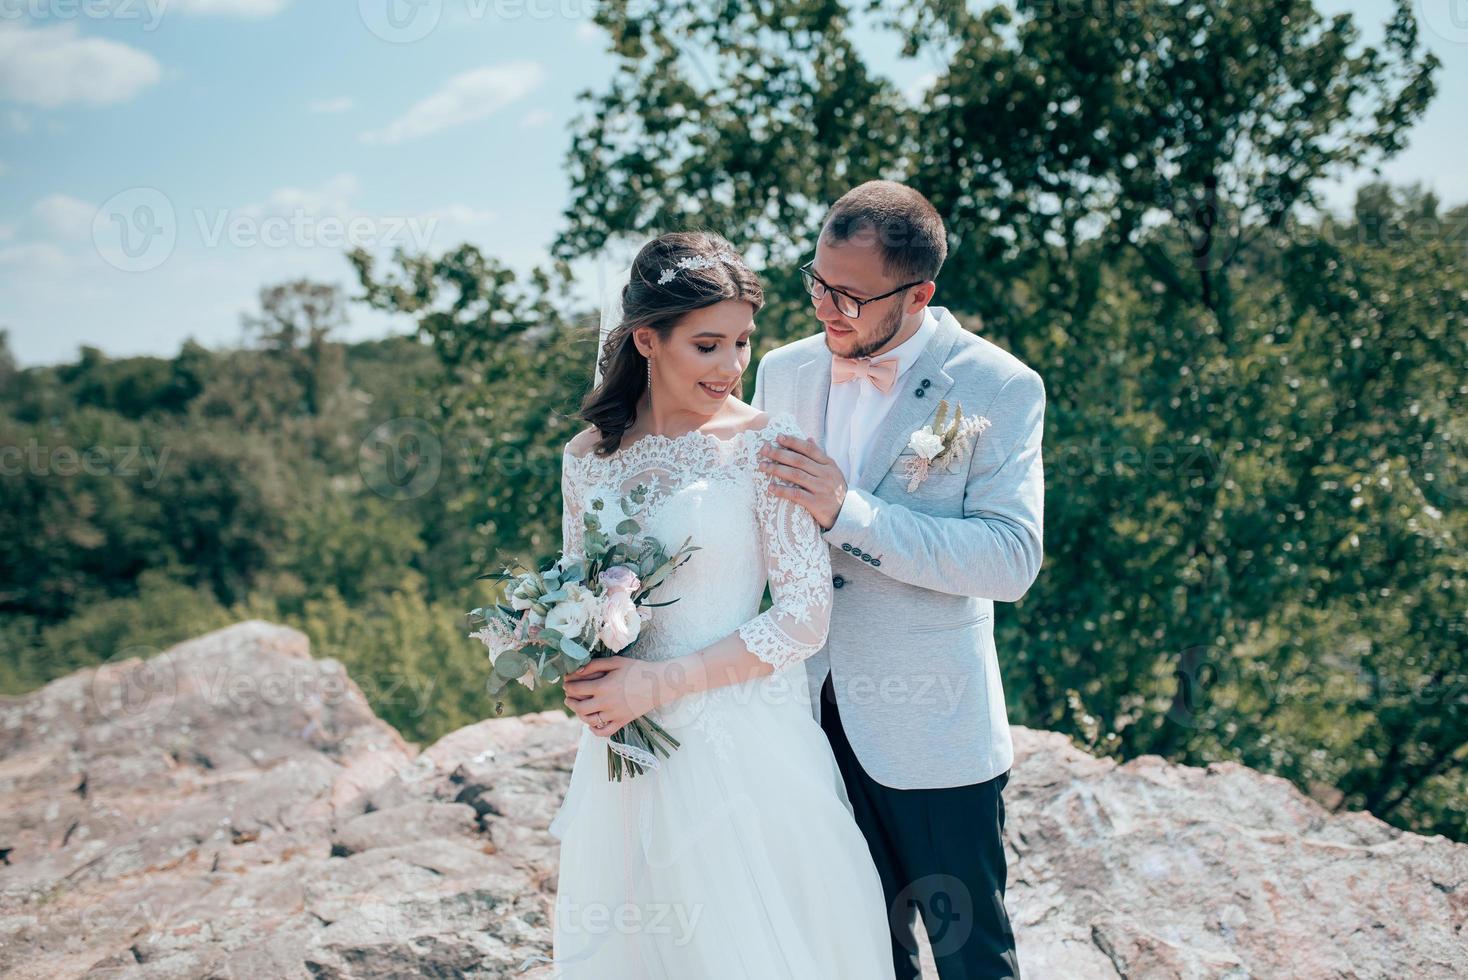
pixel 926 443
pixel 621 622
pixel 590 602
pixel 567 618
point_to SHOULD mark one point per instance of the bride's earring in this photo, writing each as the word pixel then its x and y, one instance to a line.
pixel 649 385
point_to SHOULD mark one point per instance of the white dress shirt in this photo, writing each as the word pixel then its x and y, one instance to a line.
pixel 856 408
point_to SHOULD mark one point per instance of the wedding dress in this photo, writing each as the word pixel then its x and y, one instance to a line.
pixel 739 858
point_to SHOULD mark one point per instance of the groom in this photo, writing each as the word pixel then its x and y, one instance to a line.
pixel 926 532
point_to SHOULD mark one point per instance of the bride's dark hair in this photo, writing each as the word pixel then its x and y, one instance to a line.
pixel 713 272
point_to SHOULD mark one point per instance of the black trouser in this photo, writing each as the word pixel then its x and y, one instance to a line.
pixel 940 853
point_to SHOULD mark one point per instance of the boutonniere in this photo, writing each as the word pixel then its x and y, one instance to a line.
pixel 942 445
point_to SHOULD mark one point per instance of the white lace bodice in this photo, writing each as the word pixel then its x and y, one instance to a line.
pixel 712 491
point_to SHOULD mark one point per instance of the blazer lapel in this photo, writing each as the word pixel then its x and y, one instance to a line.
pixel 911 410
pixel 813 390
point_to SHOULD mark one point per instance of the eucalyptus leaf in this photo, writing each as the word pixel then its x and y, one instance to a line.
pixel 511 664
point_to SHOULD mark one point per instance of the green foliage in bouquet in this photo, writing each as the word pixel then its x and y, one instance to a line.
pixel 547 624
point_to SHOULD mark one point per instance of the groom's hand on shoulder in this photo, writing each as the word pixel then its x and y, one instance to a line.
pixel 819 484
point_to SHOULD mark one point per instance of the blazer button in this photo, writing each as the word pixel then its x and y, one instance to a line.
pixel 876 562
pixel 846 547
pixel 926 382
pixel 866 557
pixel 838 581
pixel 920 392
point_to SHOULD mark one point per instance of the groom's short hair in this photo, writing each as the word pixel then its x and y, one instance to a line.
pixel 902 223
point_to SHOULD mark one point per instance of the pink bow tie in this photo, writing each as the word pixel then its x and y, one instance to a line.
pixel 881 373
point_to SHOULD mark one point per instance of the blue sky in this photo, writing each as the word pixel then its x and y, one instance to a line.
pixel 161 160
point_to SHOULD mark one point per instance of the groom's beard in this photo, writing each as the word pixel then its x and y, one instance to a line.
pixel 886 330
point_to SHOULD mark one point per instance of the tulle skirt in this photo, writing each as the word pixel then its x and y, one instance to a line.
pixel 739 858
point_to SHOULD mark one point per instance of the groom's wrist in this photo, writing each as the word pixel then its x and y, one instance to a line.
pixel 854 514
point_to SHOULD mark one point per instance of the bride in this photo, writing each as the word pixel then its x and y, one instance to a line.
pixel 739 856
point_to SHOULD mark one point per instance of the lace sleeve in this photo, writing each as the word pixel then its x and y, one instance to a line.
pixel 573 529
pixel 799 568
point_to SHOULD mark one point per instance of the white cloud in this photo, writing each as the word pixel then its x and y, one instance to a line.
pixel 341 104
pixel 332 198
pixel 65 217
pixel 466 98
pixel 53 66
pixel 536 118
pixel 917 91
pixel 588 33
pixel 40 258
pixel 252 9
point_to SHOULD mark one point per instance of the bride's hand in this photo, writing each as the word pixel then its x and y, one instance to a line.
pixel 613 691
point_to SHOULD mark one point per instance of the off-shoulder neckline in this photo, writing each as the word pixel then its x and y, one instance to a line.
pixel 660 439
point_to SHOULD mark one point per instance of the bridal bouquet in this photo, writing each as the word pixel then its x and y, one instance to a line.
pixel 562 617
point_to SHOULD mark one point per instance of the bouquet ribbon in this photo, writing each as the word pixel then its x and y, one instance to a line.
pixel 632 753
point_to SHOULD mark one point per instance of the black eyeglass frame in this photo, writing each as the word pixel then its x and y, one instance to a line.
pixel 809 275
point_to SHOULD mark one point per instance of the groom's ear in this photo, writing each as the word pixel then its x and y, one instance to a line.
pixel 920 296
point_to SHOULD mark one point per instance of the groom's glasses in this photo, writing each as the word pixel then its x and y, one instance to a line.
pixel 847 305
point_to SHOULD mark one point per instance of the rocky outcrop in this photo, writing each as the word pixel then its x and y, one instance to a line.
pixel 233 808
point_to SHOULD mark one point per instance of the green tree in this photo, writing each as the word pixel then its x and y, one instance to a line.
pixel 513 366
pixel 295 324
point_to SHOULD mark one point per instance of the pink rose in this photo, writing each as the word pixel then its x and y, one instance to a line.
pixel 620 578
pixel 621 623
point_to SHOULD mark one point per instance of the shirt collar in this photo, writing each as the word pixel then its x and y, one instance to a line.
pixel 912 348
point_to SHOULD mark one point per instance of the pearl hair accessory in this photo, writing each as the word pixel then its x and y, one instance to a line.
pixel 696 262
